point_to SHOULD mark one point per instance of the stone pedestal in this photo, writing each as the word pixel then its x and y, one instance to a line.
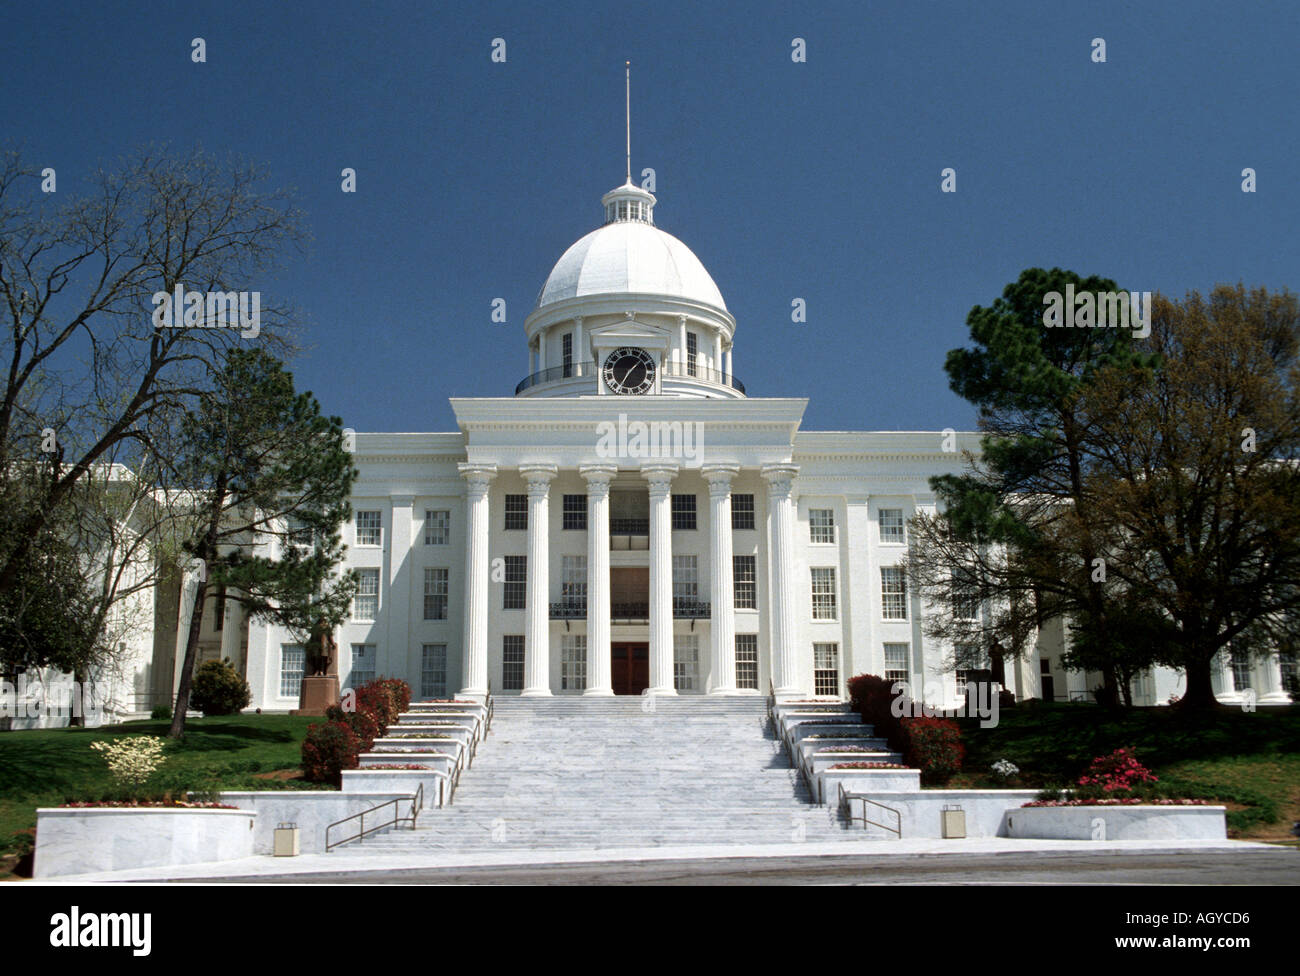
pixel 318 693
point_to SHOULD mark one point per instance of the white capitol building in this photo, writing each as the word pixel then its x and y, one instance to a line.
pixel 630 520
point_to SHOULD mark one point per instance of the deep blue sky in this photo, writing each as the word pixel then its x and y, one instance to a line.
pixel 817 180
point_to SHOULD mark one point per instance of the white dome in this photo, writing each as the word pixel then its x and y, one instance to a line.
pixel 630 256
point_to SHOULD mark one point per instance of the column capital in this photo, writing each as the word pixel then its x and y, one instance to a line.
pixel 780 477
pixel 719 477
pixel 598 475
pixel 538 476
pixel 659 476
pixel 478 476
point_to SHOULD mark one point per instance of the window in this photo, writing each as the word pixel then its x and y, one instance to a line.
pixel 573 662
pixel 742 511
pixel 516 511
pixel 826 669
pixel 965 596
pixel 691 350
pixel 891 525
pixel 1241 676
pixel 435 593
pixel 575 512
pixel 515 592
pixel 823 593
pixel 433 671
pixel 297 534
pixel 683 511
pixel 219 610
pixel 896 662
pixel 821 525
pixel 437 527
pixel 293 661
pixel 686 582
pixel 512 662
pixel 747 661
pixel 893 593
pixel 686 661
pixel 573 581
pixel 566 345
pixel 963 675
pixel 370 529
pixel 744 585
pixel 363 665
pixel 1289 665
pixel 365 605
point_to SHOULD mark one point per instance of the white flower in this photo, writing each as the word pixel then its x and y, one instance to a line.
pixel 1005 769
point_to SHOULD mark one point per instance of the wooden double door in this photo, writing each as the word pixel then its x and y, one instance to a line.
pixel 629 668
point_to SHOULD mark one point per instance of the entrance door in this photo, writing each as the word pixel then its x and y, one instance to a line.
pixel 629 668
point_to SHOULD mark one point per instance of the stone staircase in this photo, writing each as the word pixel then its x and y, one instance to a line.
pixel 592 773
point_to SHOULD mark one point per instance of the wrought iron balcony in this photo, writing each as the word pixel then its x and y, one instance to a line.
pixel 569 610
pixel 554 374
pixel 629 526
pixel 682 610
pixel 690 609
pixel 697 372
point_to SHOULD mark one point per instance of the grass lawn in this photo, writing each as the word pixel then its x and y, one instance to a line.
pixel 1249 761
pixel 47 767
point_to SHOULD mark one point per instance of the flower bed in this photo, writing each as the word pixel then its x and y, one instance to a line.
pixel 145 805
pixel 1120 801
pixel 868 765
pixel 846 749
pixel 396 766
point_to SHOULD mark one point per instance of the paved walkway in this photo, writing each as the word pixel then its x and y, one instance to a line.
pixel 981 861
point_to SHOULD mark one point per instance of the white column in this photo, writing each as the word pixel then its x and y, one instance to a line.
pixel 780 525
pixel 474 654
pixel 717 352
pixel 660 479
pixel 598 671
pixel 1268 675
pixel 681 342
pixel 578 356
pixel 537 623
pixel 722 610
pixel 232 634
pixel 727 363
pixel 397 648
pixel 541 350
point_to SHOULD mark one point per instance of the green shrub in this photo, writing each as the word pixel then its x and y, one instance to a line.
pixel 327 751
pixel 161 713
pixel 218 689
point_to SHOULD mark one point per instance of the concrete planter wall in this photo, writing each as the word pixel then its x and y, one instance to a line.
pixel 868 781
pixel 460 734
pixel 806 748
pixel 986 810
pixel 1119 823
pixel 90 839
pixel 444 759
pixel 405 781
pixel 311 810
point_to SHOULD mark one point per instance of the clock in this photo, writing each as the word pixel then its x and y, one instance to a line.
pixel 629 371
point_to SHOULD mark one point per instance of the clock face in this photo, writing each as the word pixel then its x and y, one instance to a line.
pixel 629 371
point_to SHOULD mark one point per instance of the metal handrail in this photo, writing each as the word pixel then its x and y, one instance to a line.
pixel 846 801
pixel 417 804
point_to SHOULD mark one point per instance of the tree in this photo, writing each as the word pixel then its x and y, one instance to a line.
pixel 261 462
pixel 1195 466
pixel 85 370
pixel 1003 523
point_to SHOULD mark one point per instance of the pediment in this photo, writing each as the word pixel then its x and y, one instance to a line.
pixel 630 333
